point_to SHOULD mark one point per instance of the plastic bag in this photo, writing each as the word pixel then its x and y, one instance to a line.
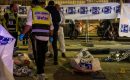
pixel 85 62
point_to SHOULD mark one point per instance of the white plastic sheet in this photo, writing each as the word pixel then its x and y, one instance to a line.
pixel 4 73
pixel 124 28
pixel 85 62
pixel 6 51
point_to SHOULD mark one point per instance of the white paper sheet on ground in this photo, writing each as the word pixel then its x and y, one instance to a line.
pixel 6 50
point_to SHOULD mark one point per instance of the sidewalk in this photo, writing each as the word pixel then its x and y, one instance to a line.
pixel 78 44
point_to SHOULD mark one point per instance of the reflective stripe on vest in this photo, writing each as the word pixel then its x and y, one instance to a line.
pixel 40 16
pixel 40 29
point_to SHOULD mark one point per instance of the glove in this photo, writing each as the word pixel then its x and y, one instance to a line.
pixel 51 39
pixel 21 36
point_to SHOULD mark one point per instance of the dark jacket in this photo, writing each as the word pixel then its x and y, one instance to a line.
pixel 55 16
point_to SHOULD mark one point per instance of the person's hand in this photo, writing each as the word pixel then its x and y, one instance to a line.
pixel 51 39
pixel 21 36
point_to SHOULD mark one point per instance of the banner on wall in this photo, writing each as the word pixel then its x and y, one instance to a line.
pixel 91 11
pixel 124 27
pixel 22 10
pixel 80 11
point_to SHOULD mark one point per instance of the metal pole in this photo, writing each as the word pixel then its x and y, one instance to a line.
pixel 87 32
pixel 88 43
pixel 121 2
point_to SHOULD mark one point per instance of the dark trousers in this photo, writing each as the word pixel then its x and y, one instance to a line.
pixel 39 50
pixel 15 35
pixel 54 45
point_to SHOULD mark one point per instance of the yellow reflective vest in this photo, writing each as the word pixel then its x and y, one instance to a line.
pixel 40 16
pixel 12 22
pixel 41 21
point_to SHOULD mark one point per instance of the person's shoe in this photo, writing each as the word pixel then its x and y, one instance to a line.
pixel 63 55
pixel 42 77
pixel 50 55
pixel 55 63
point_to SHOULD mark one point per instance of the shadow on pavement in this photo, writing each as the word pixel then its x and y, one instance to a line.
pixel 63 74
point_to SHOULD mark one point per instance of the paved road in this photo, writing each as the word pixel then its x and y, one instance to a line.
pixel 111 70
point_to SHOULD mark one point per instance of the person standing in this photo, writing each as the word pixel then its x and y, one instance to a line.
pixel 107 30
pixel 11 21
pixel 39 20
pixel 61 32
pixel 72 29
pixel 55 19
